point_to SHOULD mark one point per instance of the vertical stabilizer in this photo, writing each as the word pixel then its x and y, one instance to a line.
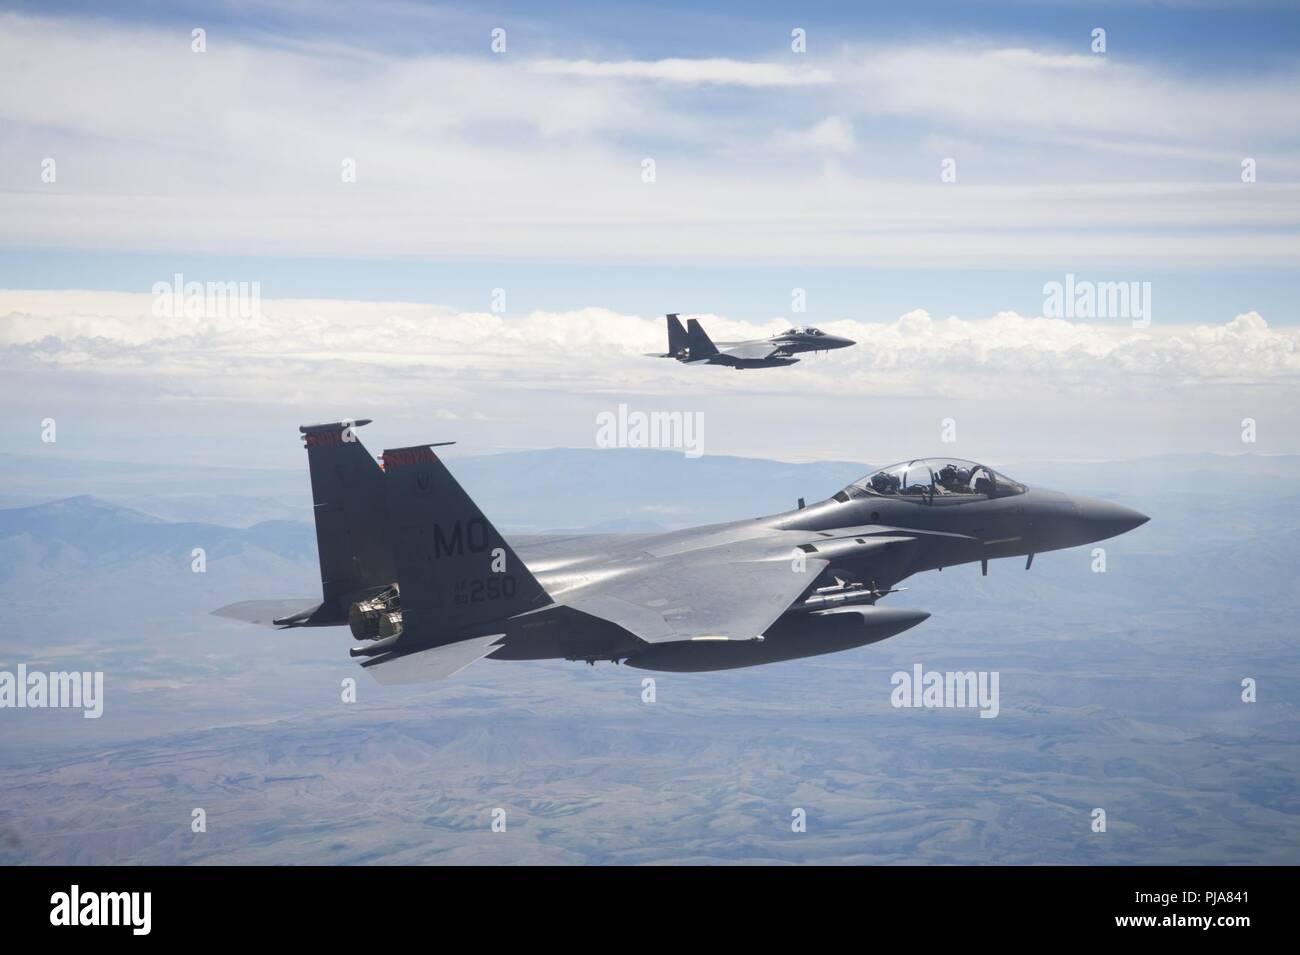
pixel 347 489
pixel 700 344
pixel 455 571
pixel 677 337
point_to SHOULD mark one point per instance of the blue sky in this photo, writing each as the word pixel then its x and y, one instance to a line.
pixel 465 160
pixel 919 172
pixel 1244 35
pixel 752 293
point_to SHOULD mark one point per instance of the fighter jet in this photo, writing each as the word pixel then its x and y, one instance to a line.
pixel 692 346
pixel 427 585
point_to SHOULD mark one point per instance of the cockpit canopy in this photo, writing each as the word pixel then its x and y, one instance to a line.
pixel 934 481
pixel 803 330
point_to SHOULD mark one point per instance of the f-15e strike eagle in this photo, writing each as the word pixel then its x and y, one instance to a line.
pixel 427 584
pixel 692 346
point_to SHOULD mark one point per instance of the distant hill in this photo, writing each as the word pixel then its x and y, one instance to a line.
pixel 98 529
pixel 616 490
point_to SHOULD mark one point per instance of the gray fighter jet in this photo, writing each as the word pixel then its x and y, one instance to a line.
pixel 693 347
pixel 427 584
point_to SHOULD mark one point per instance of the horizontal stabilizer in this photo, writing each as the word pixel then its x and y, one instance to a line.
pixel 266 613
pixel 437 663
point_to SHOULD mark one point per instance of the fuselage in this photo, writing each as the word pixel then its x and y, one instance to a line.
pixel 798 341
pixel 864 536
pixel 789 343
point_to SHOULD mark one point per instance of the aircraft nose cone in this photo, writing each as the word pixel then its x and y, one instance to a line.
pixel 1104 519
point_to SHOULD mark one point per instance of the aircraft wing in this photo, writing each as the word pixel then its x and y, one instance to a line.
pixel 671 599
pixel 735 583
pixel 751 350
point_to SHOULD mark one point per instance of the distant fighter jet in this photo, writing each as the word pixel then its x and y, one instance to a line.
pixel 427 584
pixel 692 346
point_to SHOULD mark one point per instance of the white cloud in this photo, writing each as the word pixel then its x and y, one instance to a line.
pixel 119 380
pixel 1016 92
pixel 716 71
pixel 833 134
pixel 239 150
pixel 599 345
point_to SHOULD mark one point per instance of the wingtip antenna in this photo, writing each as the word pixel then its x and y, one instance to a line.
pixel 334 425
pixel 410 454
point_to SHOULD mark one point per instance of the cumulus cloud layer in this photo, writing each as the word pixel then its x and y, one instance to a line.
pixel 118 377
pixel 121 333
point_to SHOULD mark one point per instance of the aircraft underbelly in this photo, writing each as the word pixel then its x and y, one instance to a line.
pixel 562 633
pixel 791 638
